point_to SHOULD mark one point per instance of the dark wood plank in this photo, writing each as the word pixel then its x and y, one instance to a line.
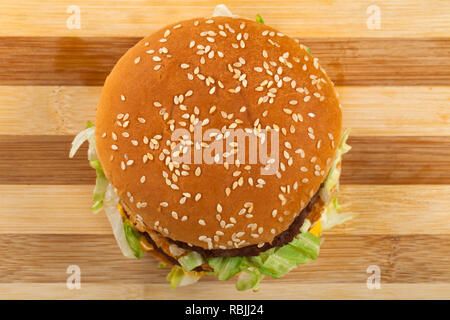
pixel 348 61
pixel 372 160
pixel 343 259
pixel 397 160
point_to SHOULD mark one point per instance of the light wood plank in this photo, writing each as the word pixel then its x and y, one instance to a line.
pixel 309 18
pixel 201 291
pixel 380 111
pixel 343 259
pixel 380 209
pixel 46 109
pixel 400 110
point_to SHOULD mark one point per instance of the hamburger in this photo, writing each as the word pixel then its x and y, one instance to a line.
pixel 175 174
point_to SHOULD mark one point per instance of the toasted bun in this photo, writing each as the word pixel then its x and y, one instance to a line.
pixel 205 71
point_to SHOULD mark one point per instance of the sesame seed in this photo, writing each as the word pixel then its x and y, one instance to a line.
pixel 301 152
pixel 142 180
pixel 202 222
pixel 136 61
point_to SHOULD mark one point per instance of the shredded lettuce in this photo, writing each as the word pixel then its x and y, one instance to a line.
pixel 133 237
pixel 179 277
pixel 191 260
pixel 100 182
pixel 275 262
pixel 221 10
pixel 100 186
pixel 226 267
pixel 105 196
pixel 302 249
pixel 80 138
pixel 249 279
pixel 305 226
pixel 259 19
pixel 307 49
pixel 334 173
pixel 89 124
pixel 331 217
pixel 115 219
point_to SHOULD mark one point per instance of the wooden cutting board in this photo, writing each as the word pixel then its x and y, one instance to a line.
pixel 391 63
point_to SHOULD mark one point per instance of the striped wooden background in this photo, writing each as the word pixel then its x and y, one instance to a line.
pixel 394 84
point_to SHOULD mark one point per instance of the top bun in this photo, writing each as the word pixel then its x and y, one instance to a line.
pixel 217 73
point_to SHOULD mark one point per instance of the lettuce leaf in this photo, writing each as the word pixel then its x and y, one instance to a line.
pixel 221 10
pixel 133 236
pixel 249 279
pixel 334 173
pixel 115 219
pixel 275 262
pixel 105 196
pixel 191 260
pixel 259 19
pixel 331 216
pixel 179 277
pixel 101 182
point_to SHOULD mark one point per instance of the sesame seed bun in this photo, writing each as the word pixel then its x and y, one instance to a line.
pixel 220 73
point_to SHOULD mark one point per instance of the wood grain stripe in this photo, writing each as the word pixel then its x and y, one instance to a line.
pixel 349 61
pixel 343 259
pixel 405 209
pixel 368 110
pixel 373 160
pixel 294 290
pixel 307 18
